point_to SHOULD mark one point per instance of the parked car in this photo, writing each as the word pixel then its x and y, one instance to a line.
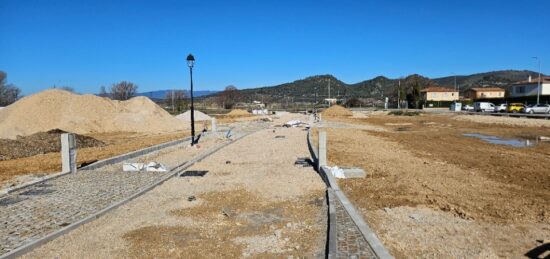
pixel 467 107
pixel 537 108
pixel 500 108
pixel 515 107
pixel 484 107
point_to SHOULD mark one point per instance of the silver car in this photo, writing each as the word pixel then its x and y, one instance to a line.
pixel 537 108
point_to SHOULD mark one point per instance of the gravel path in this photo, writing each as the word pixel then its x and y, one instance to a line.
pixel 252 201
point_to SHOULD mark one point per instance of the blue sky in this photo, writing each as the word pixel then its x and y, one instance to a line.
pixel 86 44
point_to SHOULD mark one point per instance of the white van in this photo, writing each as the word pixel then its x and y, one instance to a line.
pixel 484 107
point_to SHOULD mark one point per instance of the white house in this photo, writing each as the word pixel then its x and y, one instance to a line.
pixel 530 87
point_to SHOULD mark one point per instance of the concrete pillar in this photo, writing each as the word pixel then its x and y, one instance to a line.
pixel 322 149
pixel 214 126
pixel 68 153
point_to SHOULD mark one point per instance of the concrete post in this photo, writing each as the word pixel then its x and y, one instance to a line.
pixel 214 126
pixel 68 153
pixel 311 119
pixel 322 149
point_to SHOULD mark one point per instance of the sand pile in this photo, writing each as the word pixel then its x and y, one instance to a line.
pixel 83 114
pixel 336 111
pixel 199 116
pixel 238 112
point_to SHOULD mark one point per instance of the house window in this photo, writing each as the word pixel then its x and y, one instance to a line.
pixel 520 89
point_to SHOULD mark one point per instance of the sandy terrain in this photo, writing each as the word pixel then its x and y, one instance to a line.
pixel 432 192
pixel 253 201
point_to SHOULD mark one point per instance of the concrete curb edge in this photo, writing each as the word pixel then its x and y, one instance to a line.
pixel 140 152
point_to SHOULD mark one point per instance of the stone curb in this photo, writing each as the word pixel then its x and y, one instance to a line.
pixel 39 242
pixel 97 164
pixel 369 235
pixel 133 154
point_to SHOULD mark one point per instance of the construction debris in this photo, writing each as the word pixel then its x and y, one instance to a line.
pixel 294 123
pixel 149 167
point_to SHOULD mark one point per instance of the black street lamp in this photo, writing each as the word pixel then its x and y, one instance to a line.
pixel 190 63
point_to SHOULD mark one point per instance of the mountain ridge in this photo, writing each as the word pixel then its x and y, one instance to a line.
pixel 308 88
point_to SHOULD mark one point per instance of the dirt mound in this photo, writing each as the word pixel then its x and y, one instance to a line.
pixel 238 112
pixel 337 111
pixel 82 114
pixel 199 116
pixel 40 143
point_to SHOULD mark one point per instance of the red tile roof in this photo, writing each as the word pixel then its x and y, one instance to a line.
pixel 437 89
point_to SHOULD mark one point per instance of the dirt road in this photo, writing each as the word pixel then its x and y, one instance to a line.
pixel 252 201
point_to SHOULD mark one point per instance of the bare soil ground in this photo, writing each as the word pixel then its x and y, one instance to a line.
pixel 15 171
pixel 252 201
pixel 432 192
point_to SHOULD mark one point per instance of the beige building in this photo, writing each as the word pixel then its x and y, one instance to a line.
pixel 484 93
pixel 438 94
pixel 531 87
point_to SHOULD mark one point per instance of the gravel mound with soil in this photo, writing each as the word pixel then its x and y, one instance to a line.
pixel 83 114
pixel 40 143
pixel 336 111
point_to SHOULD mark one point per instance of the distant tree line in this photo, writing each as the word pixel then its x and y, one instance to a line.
pixel 9 93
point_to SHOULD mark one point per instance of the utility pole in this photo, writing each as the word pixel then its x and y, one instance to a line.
pixel 538 87
pixel 329 88
pixel 455 83
pixel 399 95
pixel 173 107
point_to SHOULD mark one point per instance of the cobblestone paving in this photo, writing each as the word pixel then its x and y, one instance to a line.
pixel 35 211
pixel 350 243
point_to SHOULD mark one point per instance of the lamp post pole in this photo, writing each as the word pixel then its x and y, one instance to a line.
pixel 538 87
pixel 190 63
